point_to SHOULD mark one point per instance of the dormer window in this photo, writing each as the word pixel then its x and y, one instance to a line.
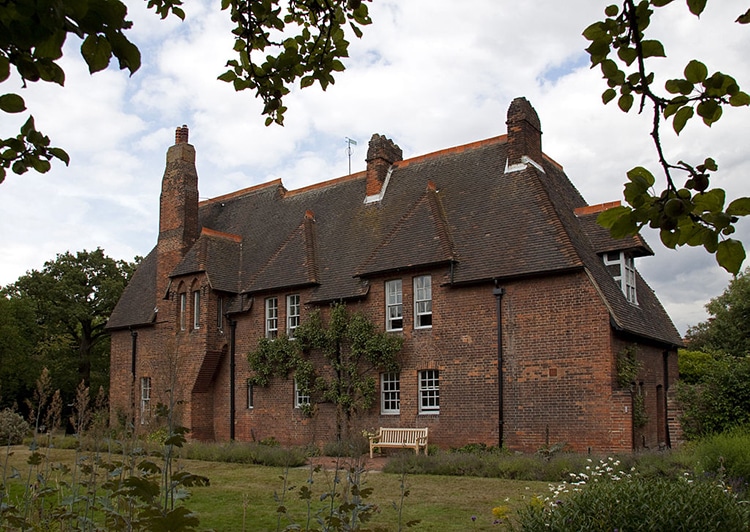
pixel 622 267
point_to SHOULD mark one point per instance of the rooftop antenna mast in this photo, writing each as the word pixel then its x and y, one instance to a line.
pixel 349 144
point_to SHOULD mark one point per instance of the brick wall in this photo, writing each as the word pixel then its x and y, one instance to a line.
pixel 558 362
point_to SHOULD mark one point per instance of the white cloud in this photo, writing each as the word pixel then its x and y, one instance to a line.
pixel 429 74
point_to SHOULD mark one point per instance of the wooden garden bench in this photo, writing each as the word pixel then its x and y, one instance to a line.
pixel 400 438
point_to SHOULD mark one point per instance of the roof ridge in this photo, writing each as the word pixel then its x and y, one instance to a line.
pixel 323 184
pixel 455 149
pixel 244 191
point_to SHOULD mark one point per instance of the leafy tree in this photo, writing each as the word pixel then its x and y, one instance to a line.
pixel 18 364
pixel 720 400
pixel 352 350
pixel 71 299
pixel 728 328
pixel 276 44
pixel 694 365
pixel 690 213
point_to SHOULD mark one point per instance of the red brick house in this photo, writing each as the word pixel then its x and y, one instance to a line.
pixel 483 257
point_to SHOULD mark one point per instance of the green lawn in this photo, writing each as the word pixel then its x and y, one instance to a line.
pixel 439 502
pixel 245 494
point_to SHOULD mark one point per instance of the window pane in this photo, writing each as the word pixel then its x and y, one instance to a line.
pixel 390 387
pixel 196 309
pixel 183 310
pixel 394 310
pixel 272 317
pixel 423 301
pixel 292 314
pixel 429 391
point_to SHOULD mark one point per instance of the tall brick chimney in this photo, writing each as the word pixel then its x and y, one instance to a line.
pixel 524 135
pixel 178 209
pixel 381 154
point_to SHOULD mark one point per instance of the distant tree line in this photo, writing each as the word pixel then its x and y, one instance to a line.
pixel 54 318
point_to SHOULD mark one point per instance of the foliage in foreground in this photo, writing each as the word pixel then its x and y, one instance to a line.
pixel 606 498
pixel 686 213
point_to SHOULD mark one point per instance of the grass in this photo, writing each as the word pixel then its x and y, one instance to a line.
pixel 246 491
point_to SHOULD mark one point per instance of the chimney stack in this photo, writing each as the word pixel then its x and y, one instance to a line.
pixel 381 154
pixel 524 135
pixel 178 210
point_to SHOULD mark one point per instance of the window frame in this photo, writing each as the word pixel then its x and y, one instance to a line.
pixel 395 303
pixel 293 314
pixel 421 301
pixel 220 314
pixel 390 393
pixel 627 276
pixel 429 391
pixel 300 399
pixel 196 309
pixel 250 396
pixel 183 311
pixel 145 399
pixel 271 319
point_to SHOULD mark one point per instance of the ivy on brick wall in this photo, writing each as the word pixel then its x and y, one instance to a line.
pixel 627 367
pixel 334 361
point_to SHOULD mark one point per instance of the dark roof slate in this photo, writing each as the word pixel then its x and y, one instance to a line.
pixel 136 305
pixel 455 206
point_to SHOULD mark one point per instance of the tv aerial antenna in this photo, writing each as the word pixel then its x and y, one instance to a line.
pixel 349 144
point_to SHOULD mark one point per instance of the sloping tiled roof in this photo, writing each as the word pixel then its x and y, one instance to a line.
pixel 455 206
pixel 136 305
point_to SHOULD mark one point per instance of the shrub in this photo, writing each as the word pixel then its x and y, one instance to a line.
pixel 246 453
pixel 353 448
pixel 727 454
pixel 607 498
pixel 12 427
pixel 649 504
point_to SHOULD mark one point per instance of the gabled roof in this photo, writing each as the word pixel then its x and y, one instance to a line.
pixel 457 207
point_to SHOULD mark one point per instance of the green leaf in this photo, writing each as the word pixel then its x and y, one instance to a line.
pixel 696 6
pixel 641 175
pixel 710 111
pixel 681 118
pixel 625 102
pixel 628 55
pixel 611 10
pixel 608 95
pixel 96 51
pixel 608 218
pixel 739 99
pixel 696 72
pixel 711 201
pixel 12 103
pixel 730 254
pixel 739 207
pixel 669 238
pixel 744 18
pixel 652 48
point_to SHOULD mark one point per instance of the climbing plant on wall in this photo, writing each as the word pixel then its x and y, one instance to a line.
pixel 349 352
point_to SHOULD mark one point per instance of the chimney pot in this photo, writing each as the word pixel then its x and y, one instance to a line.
pixel 181 135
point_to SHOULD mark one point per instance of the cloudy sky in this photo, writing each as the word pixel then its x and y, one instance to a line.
pixel 426 74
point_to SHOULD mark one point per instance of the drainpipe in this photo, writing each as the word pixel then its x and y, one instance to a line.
pixel 667 438
pixel 232 331
pixel 133 345
pixel 498 293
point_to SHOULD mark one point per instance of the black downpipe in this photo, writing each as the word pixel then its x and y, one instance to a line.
pixel 498 293
pixel 667 437
pixel 232 410
pixel 133 351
